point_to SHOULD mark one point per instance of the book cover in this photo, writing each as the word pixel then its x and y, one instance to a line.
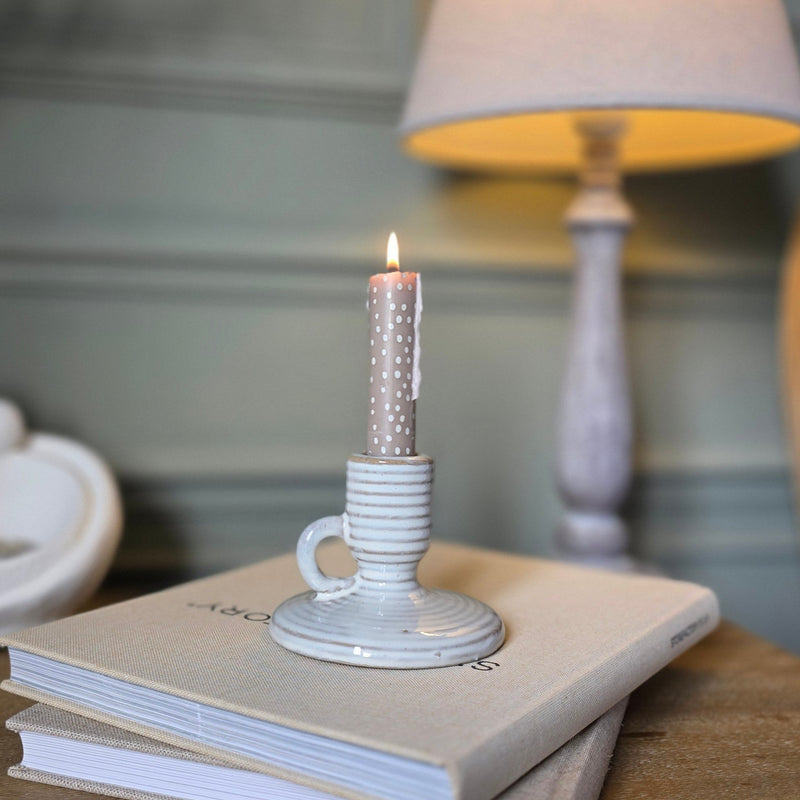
pixel 64 749
pixel 194 666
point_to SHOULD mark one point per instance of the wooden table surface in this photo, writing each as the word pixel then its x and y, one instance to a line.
pixel 721 721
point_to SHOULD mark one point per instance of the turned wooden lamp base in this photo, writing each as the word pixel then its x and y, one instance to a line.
pixel 595 430
pixel 595 540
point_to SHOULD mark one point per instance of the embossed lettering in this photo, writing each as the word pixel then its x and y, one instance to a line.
pixel 688 630
pixel 484 666
pixel 257 616
pixel 232 610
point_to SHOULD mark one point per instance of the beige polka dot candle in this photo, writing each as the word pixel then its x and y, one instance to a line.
pixel 381 616
pixel 394 307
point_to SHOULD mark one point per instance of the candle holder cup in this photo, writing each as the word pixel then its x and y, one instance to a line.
pixel 381 616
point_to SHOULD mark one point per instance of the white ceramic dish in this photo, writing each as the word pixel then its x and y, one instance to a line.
pixel 60 523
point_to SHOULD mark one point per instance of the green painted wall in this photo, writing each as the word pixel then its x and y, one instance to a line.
pixel 192 198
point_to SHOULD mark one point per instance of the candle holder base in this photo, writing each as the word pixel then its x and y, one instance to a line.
pixel 381 616
pixel 428 628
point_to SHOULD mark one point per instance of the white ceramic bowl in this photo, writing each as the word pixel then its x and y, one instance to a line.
pixel 60 523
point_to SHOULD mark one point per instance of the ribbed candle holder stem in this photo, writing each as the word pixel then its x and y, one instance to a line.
pixel 382 616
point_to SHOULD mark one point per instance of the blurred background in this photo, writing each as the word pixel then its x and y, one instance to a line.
pixel 193 195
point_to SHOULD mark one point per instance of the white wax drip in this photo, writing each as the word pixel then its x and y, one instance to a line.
pixel 417 378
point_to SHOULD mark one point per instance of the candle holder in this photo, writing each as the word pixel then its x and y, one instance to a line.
pixel 381 616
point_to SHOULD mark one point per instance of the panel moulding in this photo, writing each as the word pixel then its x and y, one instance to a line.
pixel 308 279
pixel 739 515
pixel 346 59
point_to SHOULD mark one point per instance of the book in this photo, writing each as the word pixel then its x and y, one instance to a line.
pixel 64 749
pixel 194 666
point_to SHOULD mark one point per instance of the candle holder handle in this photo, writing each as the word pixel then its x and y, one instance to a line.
pixel 382 616
pixel 326 586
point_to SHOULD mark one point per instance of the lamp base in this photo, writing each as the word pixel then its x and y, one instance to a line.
pixel 426 628
pixel 595 426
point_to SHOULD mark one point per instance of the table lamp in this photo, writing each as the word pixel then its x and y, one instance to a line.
pixel 600 87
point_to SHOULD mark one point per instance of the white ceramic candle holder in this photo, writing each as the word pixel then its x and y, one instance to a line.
pixel 381 616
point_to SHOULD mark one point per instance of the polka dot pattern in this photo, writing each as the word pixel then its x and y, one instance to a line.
pixel 391 425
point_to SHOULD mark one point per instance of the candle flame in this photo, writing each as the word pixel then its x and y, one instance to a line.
pixel 392 253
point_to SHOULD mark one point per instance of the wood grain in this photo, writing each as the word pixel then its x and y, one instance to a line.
pixel 721 721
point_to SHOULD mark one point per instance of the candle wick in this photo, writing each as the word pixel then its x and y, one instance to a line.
pixel 392 267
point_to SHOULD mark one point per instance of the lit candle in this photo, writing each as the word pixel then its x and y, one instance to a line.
pixel 394 306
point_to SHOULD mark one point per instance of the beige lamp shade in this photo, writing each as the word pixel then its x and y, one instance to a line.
pixel 498 84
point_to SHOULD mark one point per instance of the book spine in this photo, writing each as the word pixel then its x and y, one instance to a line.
pixel 510 751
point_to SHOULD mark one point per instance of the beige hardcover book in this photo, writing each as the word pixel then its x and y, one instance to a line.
pixel 64 749
pixel 195 667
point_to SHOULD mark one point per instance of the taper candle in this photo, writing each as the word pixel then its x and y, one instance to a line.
pixel 394 307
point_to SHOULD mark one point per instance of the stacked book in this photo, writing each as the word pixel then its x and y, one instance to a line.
pixel 183 693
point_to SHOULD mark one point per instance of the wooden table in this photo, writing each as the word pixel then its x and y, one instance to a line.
pixel 721 721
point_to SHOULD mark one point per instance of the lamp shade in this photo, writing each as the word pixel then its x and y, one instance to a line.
pixel 498 84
